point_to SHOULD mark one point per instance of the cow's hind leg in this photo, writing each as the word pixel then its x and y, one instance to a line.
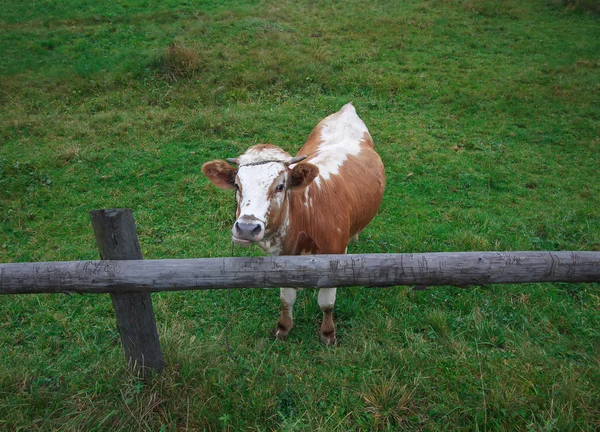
pixel 326 302
pixel 285 324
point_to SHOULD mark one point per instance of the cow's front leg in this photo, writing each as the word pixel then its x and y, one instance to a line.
pixel 285 324
pixel 326 302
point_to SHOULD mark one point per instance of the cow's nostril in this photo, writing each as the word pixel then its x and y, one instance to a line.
pixel 248 231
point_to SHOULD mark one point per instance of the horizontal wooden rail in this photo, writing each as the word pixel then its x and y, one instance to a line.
pixel 308 271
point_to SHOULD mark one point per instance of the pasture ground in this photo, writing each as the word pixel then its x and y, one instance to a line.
pixel 486 115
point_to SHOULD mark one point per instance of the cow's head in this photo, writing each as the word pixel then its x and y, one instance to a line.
pixel 264 178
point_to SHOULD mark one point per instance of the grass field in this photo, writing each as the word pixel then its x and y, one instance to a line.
pixel 487 117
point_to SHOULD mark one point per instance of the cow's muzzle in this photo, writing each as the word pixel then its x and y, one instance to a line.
pixel 248 230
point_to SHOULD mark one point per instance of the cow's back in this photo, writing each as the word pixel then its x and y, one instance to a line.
pixel 346 194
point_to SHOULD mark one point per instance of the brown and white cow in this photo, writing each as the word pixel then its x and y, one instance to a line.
pixel 313 203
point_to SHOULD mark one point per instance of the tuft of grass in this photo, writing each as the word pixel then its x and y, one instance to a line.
pixel 69 153
pixel 388 402
pixel 438 322
pixel 180 61
pixel 491 335
pixel 588 6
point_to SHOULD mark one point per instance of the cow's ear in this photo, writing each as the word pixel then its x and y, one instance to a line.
pixel 220 173
pixel 302 175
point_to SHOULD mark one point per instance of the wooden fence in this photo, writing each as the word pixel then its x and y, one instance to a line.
pixel 129 279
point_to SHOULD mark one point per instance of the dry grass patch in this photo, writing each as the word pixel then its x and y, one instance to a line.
pixel 180 61
pixel 388 401
pixel 68 153
pixel 587 6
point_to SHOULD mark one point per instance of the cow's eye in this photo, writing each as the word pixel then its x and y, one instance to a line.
pixel 279 188
pixel 237 187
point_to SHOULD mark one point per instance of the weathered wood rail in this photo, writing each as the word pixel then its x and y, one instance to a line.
pixel 130 280
pixel 306 271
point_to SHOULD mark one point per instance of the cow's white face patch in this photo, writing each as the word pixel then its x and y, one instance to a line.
pixel 258 184
pixel 261 179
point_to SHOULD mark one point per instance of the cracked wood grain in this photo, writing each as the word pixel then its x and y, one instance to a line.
pixel 304 271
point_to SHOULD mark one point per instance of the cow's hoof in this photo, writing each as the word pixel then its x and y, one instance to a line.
pixel 280 333
pixel 328 338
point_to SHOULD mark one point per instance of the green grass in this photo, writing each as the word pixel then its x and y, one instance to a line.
pixel 486 115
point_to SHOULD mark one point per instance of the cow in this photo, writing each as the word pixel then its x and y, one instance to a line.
pixel 312 203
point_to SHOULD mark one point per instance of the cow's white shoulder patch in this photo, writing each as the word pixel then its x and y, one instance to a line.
pixel 341 135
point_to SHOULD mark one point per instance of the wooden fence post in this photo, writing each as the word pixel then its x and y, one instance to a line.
pixel 116 238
